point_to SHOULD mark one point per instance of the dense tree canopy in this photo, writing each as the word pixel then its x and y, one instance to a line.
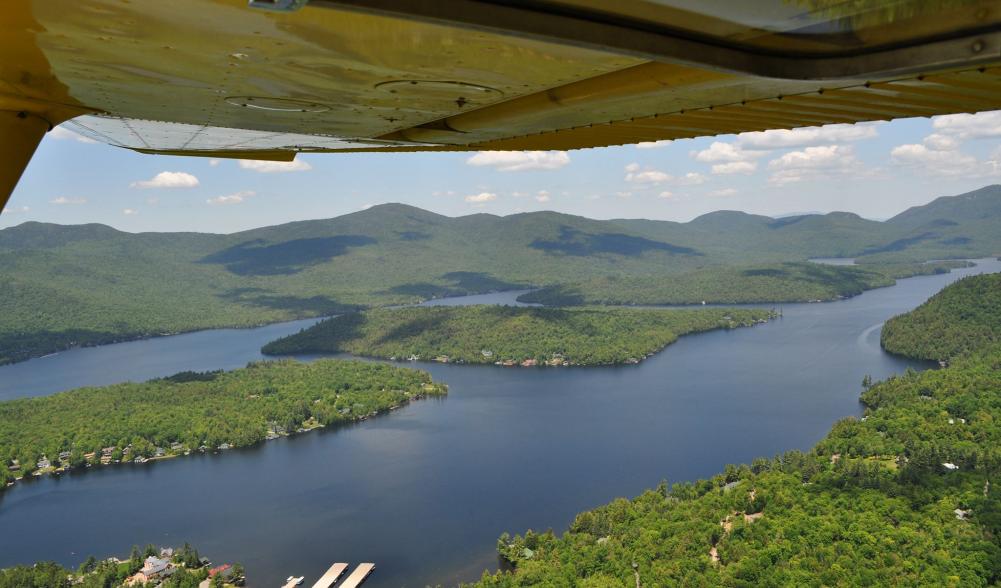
pixel 785 282
pixel 237 408
pixel 905 496
pixel 489 334
pixel 960 318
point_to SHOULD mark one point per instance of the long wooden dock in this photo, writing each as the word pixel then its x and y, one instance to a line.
pixel 330 578
pixel 358 576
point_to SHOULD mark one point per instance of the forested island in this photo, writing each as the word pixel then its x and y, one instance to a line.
pixel 135 422
pixel 960 318
pixel 784 282
pixel 906 495
pixel 506 335
pixel 166 567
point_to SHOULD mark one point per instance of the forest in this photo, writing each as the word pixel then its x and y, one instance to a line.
pixel 906 495
pixel 960 318
pixel 197 410
pixel 776 283
pixel 510 335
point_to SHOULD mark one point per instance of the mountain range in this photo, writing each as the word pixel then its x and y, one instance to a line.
pixel 62 285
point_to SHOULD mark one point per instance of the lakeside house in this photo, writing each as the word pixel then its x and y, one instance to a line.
pixel 154 569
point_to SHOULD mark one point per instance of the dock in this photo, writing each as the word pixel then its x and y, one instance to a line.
pixel 358 576
pixel 330 578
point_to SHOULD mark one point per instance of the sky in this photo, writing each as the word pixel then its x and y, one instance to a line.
pixel 873 169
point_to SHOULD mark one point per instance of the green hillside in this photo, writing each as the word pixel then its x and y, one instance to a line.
pixel 905 496
pixel 504 334
pixel 62 286
pixel 787 282
pixel 964 316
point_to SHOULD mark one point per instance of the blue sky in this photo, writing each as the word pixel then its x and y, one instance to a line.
pixel 875 170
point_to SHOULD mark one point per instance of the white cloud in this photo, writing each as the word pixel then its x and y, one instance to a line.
pixel 624 194
pixel 939 153
pixel 690 179
pixel 234 198
pixel 61 133
pixel 929 159
pixel 728 158
pixel 969 126
pixel 814 163
pixel 481 198
pixel 12 210
pixel 273 167
pixel 665 194
pixel 64 200
pixel 649 176
pixel 152 201
pixel 213 162
pixel 519 160
pixel 366 206
pixel 129 211
pixel 167 179
pixel 735 167
pixel 720 151
pixel 542 196
pixel 806 136
pixel 723 192
pixel 653 144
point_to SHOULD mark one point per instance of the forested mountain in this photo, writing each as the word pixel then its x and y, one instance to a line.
pixel 88 284
pixel 905 496
pixel 962 317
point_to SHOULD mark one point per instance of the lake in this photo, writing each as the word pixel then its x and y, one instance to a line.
pixel 425 491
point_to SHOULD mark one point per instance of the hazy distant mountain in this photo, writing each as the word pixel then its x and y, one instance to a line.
pixel 94 283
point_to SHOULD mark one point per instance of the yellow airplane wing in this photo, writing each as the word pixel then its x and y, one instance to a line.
pixel 266 79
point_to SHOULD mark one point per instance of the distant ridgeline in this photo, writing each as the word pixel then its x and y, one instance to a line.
pixel 66 286
pixel 196 411
pixel 786 282
pixel 510 335
pixel 906 496
pixel 963 317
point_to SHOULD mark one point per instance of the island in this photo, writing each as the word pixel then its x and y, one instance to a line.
pixel 167 567
pixel 905 495
pixel 188 412
pixel 511 336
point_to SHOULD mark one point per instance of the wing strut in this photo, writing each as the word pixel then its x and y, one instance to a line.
pixel 20 133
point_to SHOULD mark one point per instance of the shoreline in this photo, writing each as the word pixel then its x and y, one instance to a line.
pixel 270 436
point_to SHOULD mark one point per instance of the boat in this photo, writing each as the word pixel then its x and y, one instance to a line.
pixel 293 581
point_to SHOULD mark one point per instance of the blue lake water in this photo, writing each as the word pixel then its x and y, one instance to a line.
pixel 425 491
